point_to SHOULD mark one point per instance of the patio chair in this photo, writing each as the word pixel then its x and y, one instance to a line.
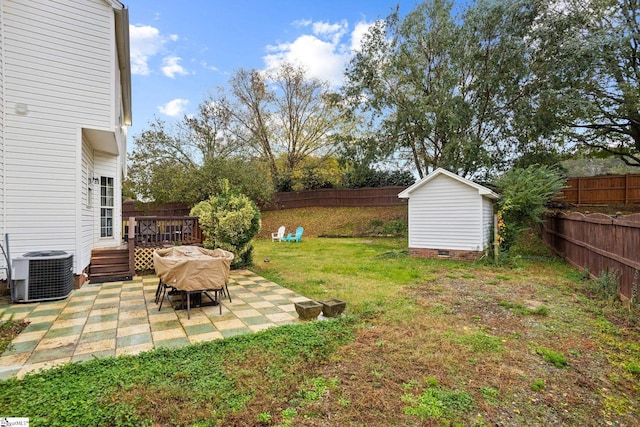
pixel 294 238
pixel 279 235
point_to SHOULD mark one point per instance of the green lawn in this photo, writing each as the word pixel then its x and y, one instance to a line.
pixel 423 342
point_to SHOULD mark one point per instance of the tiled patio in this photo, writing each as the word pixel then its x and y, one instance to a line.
pixel 111 319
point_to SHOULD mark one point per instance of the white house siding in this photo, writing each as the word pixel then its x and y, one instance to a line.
pixel 2 261
pixel 58 62
pixel 445 214
pixel 487 221
pixel 88 204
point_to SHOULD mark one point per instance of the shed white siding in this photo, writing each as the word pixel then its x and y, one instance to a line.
pixel 487 221
pixel 445 214
pixel 59 67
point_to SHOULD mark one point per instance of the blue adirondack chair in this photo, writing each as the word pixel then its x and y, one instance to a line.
pixel 294 238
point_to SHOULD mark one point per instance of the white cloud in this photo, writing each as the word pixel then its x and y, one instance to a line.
pixel 174 108
pixel 204 64
pixel 173 37
pixel 324 53
pixel 334 32
pixel 358 34
pixel 171 66
pixel 145 41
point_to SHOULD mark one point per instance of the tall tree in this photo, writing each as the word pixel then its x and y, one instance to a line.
pixel 587 55
pixel 186 160
pixel 281 115
pixel 446 89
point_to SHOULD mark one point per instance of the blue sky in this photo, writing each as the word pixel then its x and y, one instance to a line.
pixel 183 50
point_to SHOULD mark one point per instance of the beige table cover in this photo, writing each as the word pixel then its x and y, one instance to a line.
pixel 192 268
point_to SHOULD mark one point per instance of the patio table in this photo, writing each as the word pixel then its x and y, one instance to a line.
pixel 192 270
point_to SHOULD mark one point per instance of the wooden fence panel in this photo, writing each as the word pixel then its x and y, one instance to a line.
pixel 608 189
pixel 351 197
pixel 598 243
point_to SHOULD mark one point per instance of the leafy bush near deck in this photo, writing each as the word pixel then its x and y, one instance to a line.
pixel 229 221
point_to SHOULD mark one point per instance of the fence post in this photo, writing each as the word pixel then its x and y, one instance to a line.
pixel 132 245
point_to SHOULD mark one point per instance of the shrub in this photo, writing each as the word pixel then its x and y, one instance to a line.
pixel 524 196
pixel 229 221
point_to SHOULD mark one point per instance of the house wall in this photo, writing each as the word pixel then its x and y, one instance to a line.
pixel 445 214
pixel 58 65
pixel 3 263
pixel 89 203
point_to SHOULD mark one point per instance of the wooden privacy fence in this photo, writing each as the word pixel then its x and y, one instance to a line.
pixel 608 189
pixel 347 197
pixel 133 208
pixel 599 243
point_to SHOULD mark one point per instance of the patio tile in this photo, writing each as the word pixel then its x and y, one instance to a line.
pixel 100 326
pixel 12 360
pixel 16 316
pixel 134 340
pixel 133 330
pixel 168 334
pixel 21 347
pixel 79 305
pixel 235 331
pixel 261 326
pixel 73 314
pixel 81 299
pixel 209 336
pixel 52 354
pixel 251 312
pixel 94 355
pixel 200 329
pixel 97 336
pixel 134 349
pixel 45 311
pixel 66 323
pixel 107 303
pixel 29 336
pixel 111 319
pixel 270 310
pixel 287 307
pixel 162 316
pixel 283 291
pixel 163 326
pixel 42 319
pixel 64 332
pixel 102 318
pixel 280 317
pixel 261 304
pixel 95 346
pixel 35 327
pixel 257 320
pixel 57 342
pixel 35 367
pixel 172 343
pixel 74 309
pixel 229 324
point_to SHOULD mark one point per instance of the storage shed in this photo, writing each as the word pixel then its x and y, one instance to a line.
pixel 449 216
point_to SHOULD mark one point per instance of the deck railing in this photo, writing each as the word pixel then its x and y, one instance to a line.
pixel 155 231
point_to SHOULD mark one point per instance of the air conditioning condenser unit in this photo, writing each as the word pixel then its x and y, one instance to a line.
pixel 41 276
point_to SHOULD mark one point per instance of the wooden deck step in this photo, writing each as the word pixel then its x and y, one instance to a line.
pixel 109 264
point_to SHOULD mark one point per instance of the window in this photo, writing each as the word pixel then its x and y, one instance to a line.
pixel 106 206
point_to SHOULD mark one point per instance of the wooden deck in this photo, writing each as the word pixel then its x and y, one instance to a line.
pixel 118 263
